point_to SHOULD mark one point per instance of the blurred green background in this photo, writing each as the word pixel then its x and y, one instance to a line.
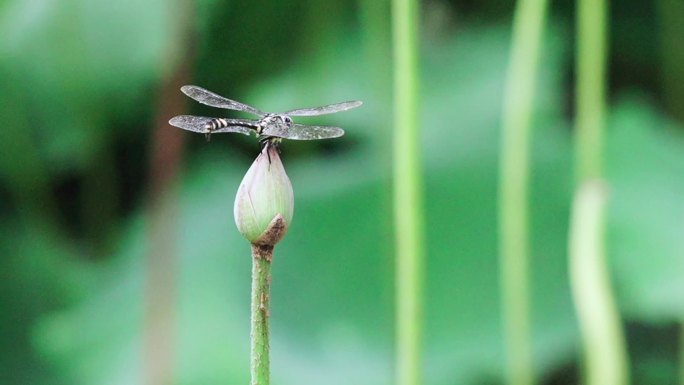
pixel 117 245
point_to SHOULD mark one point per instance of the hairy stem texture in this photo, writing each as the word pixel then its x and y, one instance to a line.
pixel 261 298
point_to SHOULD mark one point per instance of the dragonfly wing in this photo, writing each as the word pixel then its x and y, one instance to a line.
pixel 304 132
pixel 202 124
pixel 214 100
pixel 329 109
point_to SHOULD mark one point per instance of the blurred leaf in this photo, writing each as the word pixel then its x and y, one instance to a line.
pixel 74 64
pixel 38 274
pixel 653 350
pixel 646 171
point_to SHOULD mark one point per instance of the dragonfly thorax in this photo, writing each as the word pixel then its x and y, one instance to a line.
pixel 274 121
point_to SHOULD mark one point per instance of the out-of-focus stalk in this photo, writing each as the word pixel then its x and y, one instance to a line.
pixel 604 346
pixel 408 208
pixel 602 336
pixel 681 355
pixel 159 297
pixel 513 189
pixel 590 88
pixel 160 273
pixel 670 15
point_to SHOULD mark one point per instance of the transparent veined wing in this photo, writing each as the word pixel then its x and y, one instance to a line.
pixel 214 100
pixel 303 132
pixel 202 124
pixel 329 109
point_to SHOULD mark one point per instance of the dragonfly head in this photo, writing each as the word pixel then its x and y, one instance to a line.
pixel 277 120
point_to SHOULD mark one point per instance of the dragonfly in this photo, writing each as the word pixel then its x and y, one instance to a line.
pixel 270 128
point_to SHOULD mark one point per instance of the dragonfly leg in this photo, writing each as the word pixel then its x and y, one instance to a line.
pixel 269 141
pixel 211 126
pixel 265 141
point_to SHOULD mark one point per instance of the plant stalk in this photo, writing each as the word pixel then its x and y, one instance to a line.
pixel 605 357
pixel 605 353
pixel 590 88
pixel 261 299
pixel 407 179
pixel 670 15
pixel 681 354
pixel 513 194
pixel 161 280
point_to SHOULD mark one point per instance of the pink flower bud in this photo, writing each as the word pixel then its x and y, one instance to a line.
pixel 264 204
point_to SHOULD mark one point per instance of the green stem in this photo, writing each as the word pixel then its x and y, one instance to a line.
pixel 603 341
pixel 591 78
pixel 604 346
pixel 681 354
pixel 670 15
pixel 513 222
pixel 408 211
pixel 261 299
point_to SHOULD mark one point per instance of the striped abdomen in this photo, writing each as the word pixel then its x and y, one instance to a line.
pixel 216 123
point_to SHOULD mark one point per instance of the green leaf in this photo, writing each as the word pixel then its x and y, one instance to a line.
pixel 77 64
pixel 646 220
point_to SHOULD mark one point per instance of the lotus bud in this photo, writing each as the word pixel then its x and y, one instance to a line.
pixel 264 203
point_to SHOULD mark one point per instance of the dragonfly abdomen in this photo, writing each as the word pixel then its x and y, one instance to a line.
pixel 216 123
